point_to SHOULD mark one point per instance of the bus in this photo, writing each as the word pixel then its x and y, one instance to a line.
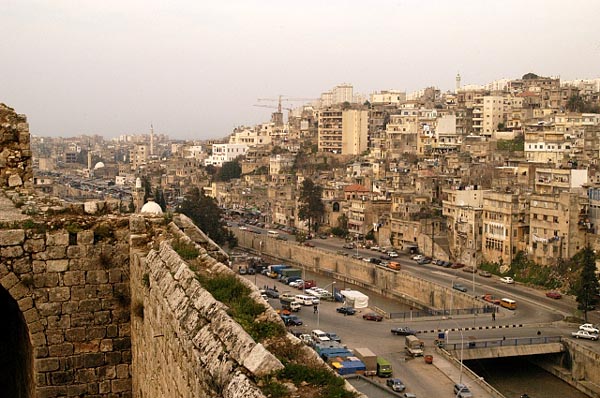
pixel 384 367
pixel 508 303
pixel 273 234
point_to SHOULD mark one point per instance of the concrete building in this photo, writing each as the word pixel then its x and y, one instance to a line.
pixel 553 181
pixel 343 131
pixel 222 153
pixel 494 113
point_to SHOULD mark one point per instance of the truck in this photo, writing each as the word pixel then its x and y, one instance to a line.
pixel 384 367
pixel 413 346
pixel 276 269
pixel 290 304
pixel 289 272
pixel 369 358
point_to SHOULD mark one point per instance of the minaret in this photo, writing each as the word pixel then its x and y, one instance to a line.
pixel 151 140
pixel 138 195
pixel 457 82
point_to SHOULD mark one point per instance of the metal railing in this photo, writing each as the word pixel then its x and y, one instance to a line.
pixel 408 315
pixel 504 342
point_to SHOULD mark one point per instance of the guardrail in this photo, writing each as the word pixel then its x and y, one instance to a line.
pixel 408 315
pixel 504 342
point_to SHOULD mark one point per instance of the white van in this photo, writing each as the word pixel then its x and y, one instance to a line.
pixel 319 336
pixel 272 234
pixel 304 299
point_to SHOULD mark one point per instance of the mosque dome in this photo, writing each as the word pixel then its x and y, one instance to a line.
pixel 151 207
pixel 99 165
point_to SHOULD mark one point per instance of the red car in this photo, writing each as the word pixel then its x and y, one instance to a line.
pixel 372 316
pixel 554 295
pixel 457 265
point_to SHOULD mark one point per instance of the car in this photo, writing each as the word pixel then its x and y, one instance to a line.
pixel 291 320
pixel 372 316
pixel 272 293
pixel 366 259
pixel 309 244
pixel 588 327
pixel 356 256
pixel 462 391
pixel 392 254
pixel 243 271
pixel 333 337
pixel 296 283
pixel 283 311
pixel 553 295
pixel 409 395
pixel 385 257
pixel 281 238
pixel 306 339
pixel 322 236
pixel 457 265
pixel 251 271
pixel 507 279
pixel 348 245
pixel 346 310
pixel 490 299
pixel 417 257
pixel 583 334
pixel 403 331
pixel 424 260
pixel 375 248
pixel 485 274
pixel 395 384
pixel 459 287
pixel 374 260
pixel 242 228
pixel 470 269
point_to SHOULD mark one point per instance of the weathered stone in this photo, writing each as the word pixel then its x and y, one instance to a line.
pixel 85 237
pixel 57 239
pixel 39 266
pixel 122 371
pixel 59 322
pixel 85 375
pixel 120 385
pixel 46 364
pixel 9 281
pixel 15 181
pixel 34 245
pixel 55 337
pixel 61 350
pixel 82 319
pixel 25 303
pixel 56 252
pixel 92 360
pixel 90 207
pixel 96 277
pixel 19 291
pixel 57 265
pixel 22 266
pixel 72 278
pixel 11 251
pixel 106 345
pixel 31 315
pixel 75 334
pixel 45 280
pixel 59 294
pixel 12 237
pixel 107 372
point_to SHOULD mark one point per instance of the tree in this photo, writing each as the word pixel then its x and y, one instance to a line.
pixel 575 103
pixel 159 197
pixel 342 229
pixel 229 171
pixel 147 187
pixel 311 208
pixel 587 287
pixel 206 214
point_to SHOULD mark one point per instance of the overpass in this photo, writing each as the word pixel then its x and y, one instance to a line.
pixel 511 347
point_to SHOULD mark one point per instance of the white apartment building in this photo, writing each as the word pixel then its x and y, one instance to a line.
pixel 222 153
pixel 251 137
pixel 343 131
pixel 494 113
pixel 338 95
pixel 387 97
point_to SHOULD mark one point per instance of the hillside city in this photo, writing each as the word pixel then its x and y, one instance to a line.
pixel 486 174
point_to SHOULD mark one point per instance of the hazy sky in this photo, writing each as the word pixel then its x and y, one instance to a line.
pixel 194 68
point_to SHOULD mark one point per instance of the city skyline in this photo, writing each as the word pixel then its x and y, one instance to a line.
pixel 195 70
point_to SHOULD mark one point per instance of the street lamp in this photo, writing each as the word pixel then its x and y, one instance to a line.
pixel 462 345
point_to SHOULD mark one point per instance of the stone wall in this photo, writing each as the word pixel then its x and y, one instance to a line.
pixel 397 284
pixel 73 291
pixel 15 153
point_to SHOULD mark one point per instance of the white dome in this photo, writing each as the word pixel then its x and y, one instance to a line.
pixel 151 207
pixel 99 165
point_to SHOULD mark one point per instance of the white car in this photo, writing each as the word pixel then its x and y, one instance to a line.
pixel 418 257
pixel 582 334
pixel 507 279
pixel 392 254
pixel 589 327
pixel 296 283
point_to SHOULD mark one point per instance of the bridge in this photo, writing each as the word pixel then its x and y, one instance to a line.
pixel 510 347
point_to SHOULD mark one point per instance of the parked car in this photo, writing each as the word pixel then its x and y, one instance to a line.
pixel 272 293
pixel 457 265
pixel 470 269
pixel 507 279
pixel 346 310
pixel 309 244
pixel 395 384
pixel 251 271
pixel 291 320
pixel 372 316
pixel 589 327
pixel 459 287
pixel 582 334
pixel 417 257
pixel 424 260
pixel 334 337
pixel 385 257
pixel 409 395
pixel 243 271
pixel 392 254
pixel 462 391
pixel 403 331
pixel 485 274
pixel 554 295
pixel 348 245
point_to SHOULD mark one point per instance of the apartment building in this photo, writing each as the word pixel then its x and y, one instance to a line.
pixel 343 131
pixel 222 153
pixel 553 180
pixel 463 209
pixel 495 112
pixel 558 226
pixel 138 155
pixel 280 163
pixel 548 146
pixel 505 221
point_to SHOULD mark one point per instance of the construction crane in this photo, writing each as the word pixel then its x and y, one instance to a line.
pixel 281 98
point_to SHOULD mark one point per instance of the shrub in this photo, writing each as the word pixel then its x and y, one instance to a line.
pixel 138 309
pixel 102 232
pixel 146 280
pixel 331 385
pixel 186 250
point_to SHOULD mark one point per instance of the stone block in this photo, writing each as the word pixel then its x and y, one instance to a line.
pixel 75 334
pixel 45 280
pixel 40 351
pixel 61 377
pixel 55 336
pixel 96 277
pixel 70 307
pixel 51 391
pixel 89 305
pixel 95 332
pixel 106 345
pixel 31 315
pixel 59 294
pixel 261 362
pixel 25 303
pixel 9 281
pixel 113 358
pixel 120 385
pixel 115 276
pixel 85 375
pixel 104 387
pixel 87 346
pixel 47 309
pixel 120 344
pixel 61 350
pixel 59 322
pixel 11 251
pixel 107 372
pixel 82 319
pixel 56 252
pixel 72 278
pixel 46 364
pixel 38 266
pixel 15 181
pixel 12 237
pixel 112 331
pixel 85 237
pixel 102 318
pixel 19 291
pixel 74 252
pixel 57 265
pixel 77 390
pixel 34 245
pixel 22 266
pixel 57 239
pixel 90 207
pixel 93 359
pixel 122 371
